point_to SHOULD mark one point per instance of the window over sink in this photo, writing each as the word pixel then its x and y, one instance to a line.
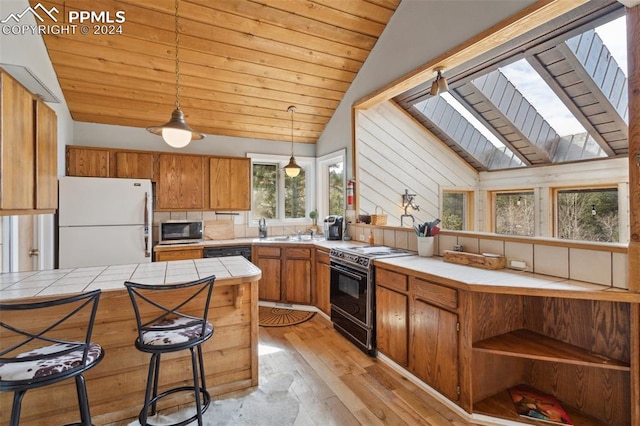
pixel 277 197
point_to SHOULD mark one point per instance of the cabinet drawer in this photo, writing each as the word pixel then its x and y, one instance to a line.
pixel 391 280
pixel 299 253
pixel 268 251
pixel 434 293
pixel 323 257
pixel 195 253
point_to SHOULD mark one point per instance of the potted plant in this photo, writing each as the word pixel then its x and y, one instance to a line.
pixel 313 214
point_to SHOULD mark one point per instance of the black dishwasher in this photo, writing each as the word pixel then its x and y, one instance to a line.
pixel 223 251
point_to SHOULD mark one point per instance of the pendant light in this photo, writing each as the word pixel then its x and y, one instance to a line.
pixel 292 169
pixel 176 132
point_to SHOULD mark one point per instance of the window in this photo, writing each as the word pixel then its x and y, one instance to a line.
pixel 514 213
pixel 457 208
pixel 587 214
pixel 280 197
pixel 331 183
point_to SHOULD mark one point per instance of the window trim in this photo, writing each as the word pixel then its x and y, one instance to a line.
pixel 322 164
pixel 309 166
pixel 612 185
pixel 469 208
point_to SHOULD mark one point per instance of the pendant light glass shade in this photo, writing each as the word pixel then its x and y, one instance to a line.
pixel 176 132
pixel 292 169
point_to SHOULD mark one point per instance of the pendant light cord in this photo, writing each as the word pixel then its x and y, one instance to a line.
pixel 292 110
pixel 177 61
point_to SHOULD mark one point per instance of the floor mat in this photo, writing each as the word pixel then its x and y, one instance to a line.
pixel 279 317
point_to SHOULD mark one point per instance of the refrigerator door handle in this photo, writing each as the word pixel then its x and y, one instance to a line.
pixel 147 252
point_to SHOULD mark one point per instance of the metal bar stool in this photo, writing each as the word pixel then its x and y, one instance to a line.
pixel 33 354
pixel 170 318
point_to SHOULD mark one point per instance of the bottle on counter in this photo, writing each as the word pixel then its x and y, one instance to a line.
pixel 371 240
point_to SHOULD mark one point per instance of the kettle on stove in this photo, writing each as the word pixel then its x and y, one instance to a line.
pixel 333 227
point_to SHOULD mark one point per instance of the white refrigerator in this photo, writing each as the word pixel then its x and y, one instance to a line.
pixel 103 221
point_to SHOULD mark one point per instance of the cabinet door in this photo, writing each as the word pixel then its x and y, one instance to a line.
pixel 269 285
pixel 87 162
pixel 230 183
pixel 323 277
pixel 134 165
pixel 297 281
pixel 17 183
pixel 392 327
pixel 434 347
pixel 46 157
pixel 180 182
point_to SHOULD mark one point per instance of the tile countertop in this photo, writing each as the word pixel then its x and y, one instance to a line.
pixel 321 242
pixel 506 281
pixel 228 271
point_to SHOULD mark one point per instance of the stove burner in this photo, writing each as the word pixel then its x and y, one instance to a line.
pixel 362 255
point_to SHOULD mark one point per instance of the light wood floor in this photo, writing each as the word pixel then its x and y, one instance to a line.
pixel 337 384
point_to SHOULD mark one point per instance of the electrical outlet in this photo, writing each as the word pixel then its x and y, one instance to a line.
pixel 361 237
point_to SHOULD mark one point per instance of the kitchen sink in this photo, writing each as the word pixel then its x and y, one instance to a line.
pixel 293 238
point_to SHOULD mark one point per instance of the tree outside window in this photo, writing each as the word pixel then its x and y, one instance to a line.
pixel 295 196
pixel 515 213
pixel 588 214
pixel 336 188
pixel 454 210
pixel 265 191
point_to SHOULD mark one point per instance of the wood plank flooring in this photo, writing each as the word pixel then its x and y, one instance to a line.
pixel 337 384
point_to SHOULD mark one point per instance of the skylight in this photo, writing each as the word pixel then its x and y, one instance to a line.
pixel 472 120
pixel 614 36
pixel 540 95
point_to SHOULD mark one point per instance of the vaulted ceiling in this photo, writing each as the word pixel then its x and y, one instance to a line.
pixel 241 62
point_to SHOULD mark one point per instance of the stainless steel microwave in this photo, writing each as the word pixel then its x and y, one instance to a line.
pixel 181 231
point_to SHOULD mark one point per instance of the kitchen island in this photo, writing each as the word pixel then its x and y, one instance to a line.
pixel 116 385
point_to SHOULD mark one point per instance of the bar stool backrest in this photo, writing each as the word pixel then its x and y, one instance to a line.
pixel 63 325
pixel 156 306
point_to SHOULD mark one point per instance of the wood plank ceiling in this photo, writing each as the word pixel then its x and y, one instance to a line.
pixel 241 63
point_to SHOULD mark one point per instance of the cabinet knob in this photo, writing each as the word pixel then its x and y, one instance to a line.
pixel 34 252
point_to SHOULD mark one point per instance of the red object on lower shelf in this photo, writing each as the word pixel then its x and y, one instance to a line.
pixel 536 405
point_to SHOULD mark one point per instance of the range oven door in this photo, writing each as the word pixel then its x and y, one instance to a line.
pixel 350 293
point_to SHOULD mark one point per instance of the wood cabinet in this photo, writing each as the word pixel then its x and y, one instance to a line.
pixel 323 281
pixel 229 183
pixel 46 157
pixel 268 259
pixel 180 182
pixel 178 253
pixel 28 130
pixel 134 165
pixel 472 345
pixel 87 162
pixel 287 272
pixel 392 316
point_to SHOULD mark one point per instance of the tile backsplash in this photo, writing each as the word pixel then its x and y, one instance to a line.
pixel 596 265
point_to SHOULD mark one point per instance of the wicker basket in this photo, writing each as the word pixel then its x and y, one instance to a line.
pixel 379 219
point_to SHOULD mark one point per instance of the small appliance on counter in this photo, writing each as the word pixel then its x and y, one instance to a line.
pixel 333 227
pixel 181 231
pixel 262 228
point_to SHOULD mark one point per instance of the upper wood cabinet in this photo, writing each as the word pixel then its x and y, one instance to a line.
pixel 46 157
pixel 87 162
pixel 28 128
pixel 230 183
pixel 180 182
pixel 134 165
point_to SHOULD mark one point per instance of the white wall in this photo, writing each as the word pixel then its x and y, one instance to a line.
pixel 395 153
pixel 419 31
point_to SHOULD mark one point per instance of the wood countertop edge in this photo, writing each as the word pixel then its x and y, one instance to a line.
pixel 605 294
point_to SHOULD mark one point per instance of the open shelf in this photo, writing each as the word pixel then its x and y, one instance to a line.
pixel 500 405
pixel 529 344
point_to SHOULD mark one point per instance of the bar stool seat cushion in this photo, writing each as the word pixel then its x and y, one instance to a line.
pixel 48 363
pixel 175 331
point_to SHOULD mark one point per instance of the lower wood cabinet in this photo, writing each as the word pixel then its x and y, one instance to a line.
pixel 472 346
pixel 323 281
pixel 287 272
pixel 178 253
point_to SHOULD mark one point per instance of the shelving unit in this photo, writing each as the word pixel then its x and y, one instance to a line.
pixel 525 343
